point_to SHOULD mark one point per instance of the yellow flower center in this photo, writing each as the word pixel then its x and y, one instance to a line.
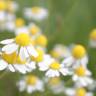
pixel 31 80
pixel 36 10
pixel 55 66
pixel 9 58
pixel 3 5
pixel 93 35
pixel 78 51
pixel 23 39
pixel 54 81
pixel 13 58
pixel 80 71
pixel 39 58
pixel 19 22
pixel 41 40
pixel 34 30
pixel 80 92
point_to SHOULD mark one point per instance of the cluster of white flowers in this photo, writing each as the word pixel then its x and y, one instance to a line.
pixel 27 52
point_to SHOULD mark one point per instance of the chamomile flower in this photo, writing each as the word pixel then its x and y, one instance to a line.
pixel 82 76
pixel 53 68
pixel 14 63
pixel 77 92
pixel 41 40
pixel 78 56
pixel 60 51
pixel 34 29
pixel 36 13
pixel 21 44
pixel 56 85
pixel 30 83
pixel 93 38
pixel 12 6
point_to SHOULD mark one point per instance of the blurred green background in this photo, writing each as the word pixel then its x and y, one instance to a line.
pixel 70 21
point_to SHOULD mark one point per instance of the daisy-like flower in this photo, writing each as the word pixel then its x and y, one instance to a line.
pixel 36 13
pixel 52 68
pixel 93 38
pixel 41 40
pixel 14 63
pixel 79 56
pixel 12 6
pixel 60 51
pixel 34 61
pixel 34 29
pixel 30 83
pixel 21 44
pixel 56 85
pixel 77 92
pixel 82 76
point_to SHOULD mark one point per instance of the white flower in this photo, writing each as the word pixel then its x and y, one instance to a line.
pixel 78 57
pixel 55 84
pixel 77 92
pixel 93 38
pixel 30 83
pixel 60 51
pixel 21 44
pixel 52 68
pixel 36 13
pixel 14 63
pixel 82 76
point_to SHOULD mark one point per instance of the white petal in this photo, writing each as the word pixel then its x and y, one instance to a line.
pixel 11 68
pixel 30 89
pixel 22 69
pixel 64 71
pixel 22 54
pixel 31 65
pixel 8 49
pixel 31 50
pixel 3 64
pixel 75 77
pixel 7 41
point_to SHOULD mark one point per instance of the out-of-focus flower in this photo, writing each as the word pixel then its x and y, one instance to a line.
pixel 36 13
pixel 56 85
pixel 21 44
pixel 60 51
pixel 77 92
pixel 93 38
pixel 82 76
pixel 79 56
pixel 14 63
pixel 41 40
pixel 53 68
pixel 30 83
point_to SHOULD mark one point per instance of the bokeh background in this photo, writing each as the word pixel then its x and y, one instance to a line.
pixel 69 22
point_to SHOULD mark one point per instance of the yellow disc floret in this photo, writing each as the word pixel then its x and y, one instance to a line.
pixel 36 10
pixel 78 51
pixel 54 81
pixel 9 58
pixel 93 35
pixel 34 30
pixel 3 5
pixel 80 92
pixel 19 22
pixel 41 40
pixel 31 80
pixel 39 58
pixel 55 66
pixel 23 39
pixel 80 71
